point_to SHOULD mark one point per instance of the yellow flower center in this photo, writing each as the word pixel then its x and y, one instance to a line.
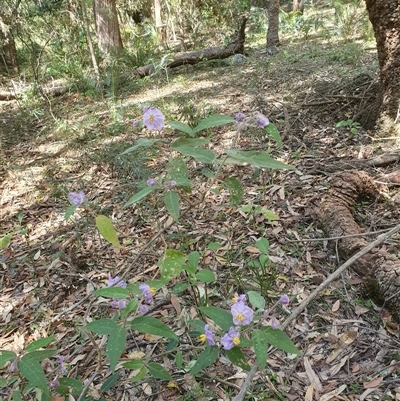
pixel 153 290
pixel 151 117
pixel 203 338
pixel 236 340
pixel 239 317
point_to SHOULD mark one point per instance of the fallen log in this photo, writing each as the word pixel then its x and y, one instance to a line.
pixel 380 268
pixel 195 57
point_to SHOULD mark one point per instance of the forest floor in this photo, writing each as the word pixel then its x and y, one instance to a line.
pixel 350 348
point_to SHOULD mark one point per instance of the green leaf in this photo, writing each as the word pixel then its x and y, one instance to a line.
pixel 16 396
pixel 220 316
pixel 133 364
pixel 190 142
pixel 172 263
pixel 177 170
pixel 180 287
pixel 213 121
pixel 214 246
pixel 179 360
pixel 260 344
pixel 140 195
pixel 41 343
pixel 171 200
pixel 269 215
pixel 256 300
pixel 3 382
pixel 142 373
pixel 33 372
pixel 280 340
pixel 40 355
pixel 198 325
pixel 255 158
pixel 115 346
pixel 131 306
pixel 202 155
pixel 236 356
pixel 271 129
pixel 102 326
pixel 194 259
pixel 206 276
pixel 246 208
pixel 205 359
pixel 6 356
pixel 5 241
pixel 263 245
pixel 151 325
pixel 235 190
pixel 114 292
pixel 158 371
pixel 109 382
pixel 69 383
pixel 107 230
pixel 179 126
pixel 140 143
pixel 69 212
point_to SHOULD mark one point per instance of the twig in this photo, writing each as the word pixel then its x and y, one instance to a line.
pixel 87 385
pixel 296 312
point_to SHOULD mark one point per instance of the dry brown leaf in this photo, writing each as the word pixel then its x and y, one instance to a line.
pixel 336 306
pixel 175 303
pixel 309 393
pixel 312 376
pixel 334 393
pixel 359 310
pixel 373 383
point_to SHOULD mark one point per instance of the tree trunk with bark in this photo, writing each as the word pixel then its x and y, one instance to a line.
pixel 385 18
pixel 107 27
pixel 161 37
pixel 273 25
pixel 298 6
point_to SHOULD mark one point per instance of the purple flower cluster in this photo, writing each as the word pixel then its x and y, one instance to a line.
pixel 118 282
pixel 77 198
pixel 148 293
pixel 207 336
pixel 258 120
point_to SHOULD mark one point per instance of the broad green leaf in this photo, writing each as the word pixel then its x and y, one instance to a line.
pixel 194 259
pixel 256 300
pixel 260 344
pixel 69 212
pixel 269 215
pixel 263 245
pixel 220 316
pixel 3 382
pixel 255 158
pixel 180 287
pixel 246 208
pixel 172 263
pixel 16 396
pixel 109 382
pixel 41 343
pixel 171 200
pixel 235 190
pixel 140 375
pixel 5 241
pixel 179 126
pixel 115 346
pixel 133 364
pixel 33 372
pixel 236 356
pixel 140 143
pixel 107 230
pixel 214 246
pixel 202 155
pixel 280 340
pixel 177 169
pixel 70 385
pixel 112 292
pixel 198 325
pixel 206 276
pixel 213 121
pixel 271 129
pixel 151 325
pixel 6 356
pixel 158 371
pixel 131 306
pixel 40 355
pixel 140 195
pixel 343 123
pixel 190 142
pixel 179 360
pixel 102 326
pixel 205 359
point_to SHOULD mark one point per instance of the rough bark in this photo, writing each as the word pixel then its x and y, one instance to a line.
pixel 298 6
pixel 158 20
pixel 380 266
pixel 385 18
pixel 107 27
pixel 195 57
pixel 273 24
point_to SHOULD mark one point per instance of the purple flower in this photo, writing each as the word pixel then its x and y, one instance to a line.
pixel 153 118
pixel 115 281
pixel 262 121
pixel 147 292
pixel 172 183
pixel 63 365
pixel 77 198
pixel 239 298
pixel 284 299
pixel 242 314
pixel 230 339
pixel 118 304
pixel 274 323
pixel 207 336
pixel 143 309
pixel 151 182
pixel 136 123
pixel 239 117
pixel 54 383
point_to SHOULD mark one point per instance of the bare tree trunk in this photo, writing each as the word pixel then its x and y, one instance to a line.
pixel 385 18
pixel 107 27
pixel 298 5
pixel 273 25
pixel 158 20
